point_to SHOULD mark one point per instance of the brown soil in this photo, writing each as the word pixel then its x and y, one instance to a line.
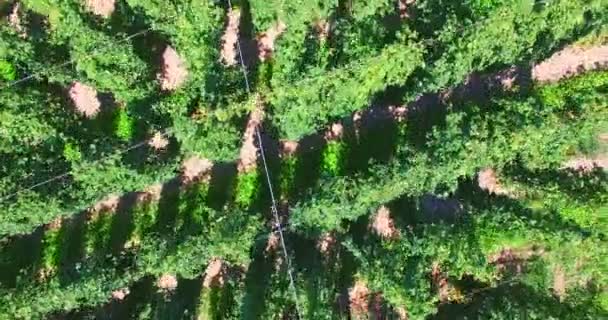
pixel 120 294
pixel 267 39
pixel 195 168
pixel 158 141
pixel 288 148
pixel 440 282
pixel 55 224
pixel 273 243
pixel 228 54
pixel 403 7
pixel 152 193
pixel 174 72
pixel 249 151
pixel 358 297
pixel 322 29
pixel 401 313
pixel 214 274
pixel 559 282
pixel 103 8
pixel 85 99
pixel 326 243
pixel 513 260
pixel 586 165
pixel 167 283
pixel 488 181
pixel 570 61
pixel 109 204
pixel 383 224
pixel 15 20
pixel 335 132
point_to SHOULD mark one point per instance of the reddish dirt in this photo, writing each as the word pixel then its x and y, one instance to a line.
pixel 158 141
pixel 267 39
pixel 195 168
pixel 358 297
pixel 167 283
pixel 214 274
pixel 570 61
pixel 120 294
pixel 228 53
pixel 85 99
pixel 103 8
pixel 383 224
pixel 249 151
pixel 174 72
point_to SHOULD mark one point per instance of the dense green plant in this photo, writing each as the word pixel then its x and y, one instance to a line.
pixel 332 59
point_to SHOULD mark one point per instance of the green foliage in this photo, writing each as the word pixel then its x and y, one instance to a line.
pixel 303 106
pixel 124 125
pixel 333 161
pixel 333 59
pixel 247 188
pixel 71 152
pixel 7 71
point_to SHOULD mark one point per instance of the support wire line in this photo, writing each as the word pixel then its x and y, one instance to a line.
pixel 273 208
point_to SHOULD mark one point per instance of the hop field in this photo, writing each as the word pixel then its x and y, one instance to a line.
pixel 380 159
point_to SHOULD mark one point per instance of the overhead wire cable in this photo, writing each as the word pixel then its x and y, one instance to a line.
pixel 273 207
pixel 93 53
pixel 69 172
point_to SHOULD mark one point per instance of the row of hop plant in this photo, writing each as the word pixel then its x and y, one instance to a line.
pixel 488 43
pixel 216 136
pixel 247 186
